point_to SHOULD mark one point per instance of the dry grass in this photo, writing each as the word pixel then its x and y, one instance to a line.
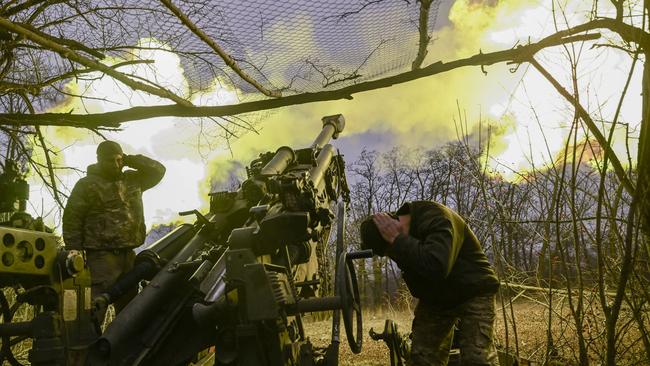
pixel 531 318
pixel 373 352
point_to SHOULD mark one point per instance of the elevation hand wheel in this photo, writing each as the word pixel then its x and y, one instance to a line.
pixel 347 289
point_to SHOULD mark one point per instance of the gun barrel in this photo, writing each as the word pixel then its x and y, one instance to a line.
pixel 322 163
pixel 149 261
pixel 168 246
pixel 332 126
pixel 283 157
pixel 167 290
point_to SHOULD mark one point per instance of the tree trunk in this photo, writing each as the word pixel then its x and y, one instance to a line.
pixel 644 151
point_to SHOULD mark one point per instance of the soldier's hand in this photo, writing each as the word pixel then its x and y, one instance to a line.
pixel 127 160
pixel 389 228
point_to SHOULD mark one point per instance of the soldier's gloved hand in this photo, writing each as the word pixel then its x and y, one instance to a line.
pixel 127 160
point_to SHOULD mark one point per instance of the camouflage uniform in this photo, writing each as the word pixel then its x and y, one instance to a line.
pixel 433 332
pixel 104 216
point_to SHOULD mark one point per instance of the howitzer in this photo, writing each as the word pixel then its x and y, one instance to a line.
pixel 399 348
pixel 37 273
pixel 52 280
pixel 239 280
pixel 399 345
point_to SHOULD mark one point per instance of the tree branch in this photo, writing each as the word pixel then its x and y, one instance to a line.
pixel 46 152
pixel 627 32
pixel 230 62
pixel 35 88
pixel 341 17
pixel 71 43
pixel 73 56
pixel 114 119
pixel 423 27
pixel 618 4
pixel 584 115
pixel 20 7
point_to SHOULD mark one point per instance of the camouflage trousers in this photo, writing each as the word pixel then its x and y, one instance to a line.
pixel 106 267
pixel 433 332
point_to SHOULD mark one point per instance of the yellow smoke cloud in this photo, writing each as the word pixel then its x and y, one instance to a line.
pixel 76 147
pixel 420 113
pixel 543 118
pixel 425 112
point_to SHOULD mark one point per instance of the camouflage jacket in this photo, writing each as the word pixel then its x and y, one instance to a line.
pixel 107 213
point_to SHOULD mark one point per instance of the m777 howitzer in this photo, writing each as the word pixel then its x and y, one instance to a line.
pixel 399 347
pixel 228 282
pixel 231 281
pixel 36 271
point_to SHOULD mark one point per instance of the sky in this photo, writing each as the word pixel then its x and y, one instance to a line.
pixel 520 105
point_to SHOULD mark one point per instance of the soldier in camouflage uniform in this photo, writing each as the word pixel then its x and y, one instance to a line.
pixel 104 215
pixel 443 266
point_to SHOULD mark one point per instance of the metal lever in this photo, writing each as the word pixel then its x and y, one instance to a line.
pixel 199 216
pixel 360 254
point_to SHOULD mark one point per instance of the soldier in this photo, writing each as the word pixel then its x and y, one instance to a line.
pixel 104 216
pixel 443 266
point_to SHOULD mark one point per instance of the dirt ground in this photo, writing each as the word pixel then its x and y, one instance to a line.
pixel 531 324
pixel 373 352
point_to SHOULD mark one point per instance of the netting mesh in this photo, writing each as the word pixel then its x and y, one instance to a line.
pixel 293 46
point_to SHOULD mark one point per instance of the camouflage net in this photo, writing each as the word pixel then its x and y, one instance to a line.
pixel 290 47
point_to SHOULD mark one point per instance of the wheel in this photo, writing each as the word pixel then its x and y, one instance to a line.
pixel 5 311
pixel 12 344
pixel 347 289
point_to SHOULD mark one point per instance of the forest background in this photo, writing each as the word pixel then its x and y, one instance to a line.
pixel 541 145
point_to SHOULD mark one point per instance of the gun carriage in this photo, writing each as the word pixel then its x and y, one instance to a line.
pixel 237 281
